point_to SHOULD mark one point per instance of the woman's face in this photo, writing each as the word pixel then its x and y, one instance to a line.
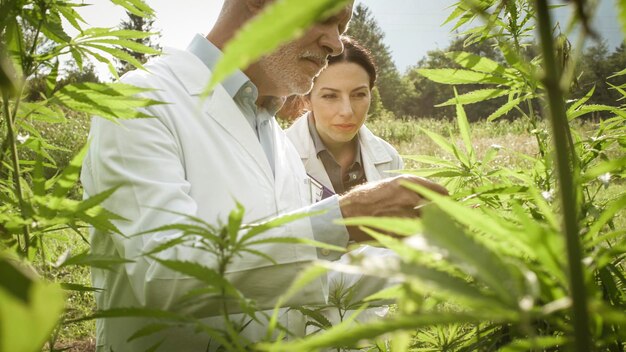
pixel 339 101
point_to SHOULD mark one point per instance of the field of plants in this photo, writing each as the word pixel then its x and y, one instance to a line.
pixel 511 138
pixel 527 252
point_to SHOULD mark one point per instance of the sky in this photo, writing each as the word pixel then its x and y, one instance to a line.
pixel 411 27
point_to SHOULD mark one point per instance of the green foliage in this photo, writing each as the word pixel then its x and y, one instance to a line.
pixel 482 270
pixel 455 62
pixel 485 268
pixel 141 23
pixel 364 28
pixel 38 176
pixel 29 307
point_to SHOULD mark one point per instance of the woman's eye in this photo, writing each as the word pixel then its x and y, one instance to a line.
pixel 360 95
pixel 329 96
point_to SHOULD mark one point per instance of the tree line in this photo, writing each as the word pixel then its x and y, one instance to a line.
pixel 409 95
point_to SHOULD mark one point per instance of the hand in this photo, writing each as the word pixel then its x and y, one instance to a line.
pixel 387 197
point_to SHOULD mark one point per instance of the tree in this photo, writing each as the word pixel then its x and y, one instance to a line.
pixel 143 24
pixel 596 64
pixel 365 29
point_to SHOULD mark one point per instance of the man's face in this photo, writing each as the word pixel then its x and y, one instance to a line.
pixel 291 69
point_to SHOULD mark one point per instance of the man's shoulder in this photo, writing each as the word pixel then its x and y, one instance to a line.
pixel 174 68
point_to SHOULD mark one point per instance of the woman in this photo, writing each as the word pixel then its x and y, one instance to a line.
pixel 340 153
pixel 335 146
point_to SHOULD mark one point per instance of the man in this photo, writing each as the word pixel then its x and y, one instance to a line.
pixel 199 157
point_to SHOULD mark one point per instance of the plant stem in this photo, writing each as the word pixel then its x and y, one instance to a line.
pixel 567 184
pixel 16 169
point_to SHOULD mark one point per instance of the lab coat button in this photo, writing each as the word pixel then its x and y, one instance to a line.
pixel 325 251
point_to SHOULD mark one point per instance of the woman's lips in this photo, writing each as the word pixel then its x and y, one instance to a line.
pixel 345 126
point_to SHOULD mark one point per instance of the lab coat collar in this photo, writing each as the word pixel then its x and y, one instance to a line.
pixel 369 143
pixel 372 146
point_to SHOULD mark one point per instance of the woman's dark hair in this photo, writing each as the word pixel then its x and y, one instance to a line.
pixel 356 53
pixel 353 52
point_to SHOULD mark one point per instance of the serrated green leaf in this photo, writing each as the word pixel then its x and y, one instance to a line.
pixel 79 288
pixel 148 330
pixel 302 280
pixel 475 96
pixel 581 101
pixel 464 129
pixel 436 172
pixel 136 7
pixel 186 229
pixel 279 22
pixel 347 336
pixel 235 218
pixel 440 141
pixel 401 226
pixel 586 109
pixel 317 316
pixel 535 344
pixel 118 54
pixel 389 293
pixel 621 5
pixel 200 272
pixel 68 177
pixel 95 200
pixel 110 101
pixel 611 166
pixel 502 110
pixel 26 325
pixel 68 12
pixel 459 76
pixel 95 260
pixel 39 181
pixel 472 256
pixel 129 44
pixel 431 160
pixel 611 209
pixel 296 240
pixel 474 62
pixel 257 229
pixel 131 312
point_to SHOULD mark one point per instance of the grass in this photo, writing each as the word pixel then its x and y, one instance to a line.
pixel 59 244
pixel 406 136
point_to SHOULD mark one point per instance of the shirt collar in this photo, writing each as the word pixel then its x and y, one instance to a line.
pixel 209 54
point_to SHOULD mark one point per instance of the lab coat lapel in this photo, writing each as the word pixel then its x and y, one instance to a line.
pixel 306 150
pixel 194 76
pixel 223 109
pixel 373 153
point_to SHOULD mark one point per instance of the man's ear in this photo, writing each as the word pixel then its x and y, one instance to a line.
pixel 255 6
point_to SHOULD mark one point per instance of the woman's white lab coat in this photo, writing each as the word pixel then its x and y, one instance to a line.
pixel 197 157
pixel 378 157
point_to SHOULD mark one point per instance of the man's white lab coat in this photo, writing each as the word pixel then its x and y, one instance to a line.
pixel 196 157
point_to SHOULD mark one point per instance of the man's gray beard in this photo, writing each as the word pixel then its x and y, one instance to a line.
pixel 289 74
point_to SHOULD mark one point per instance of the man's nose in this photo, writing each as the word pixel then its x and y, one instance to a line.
pixel 331 41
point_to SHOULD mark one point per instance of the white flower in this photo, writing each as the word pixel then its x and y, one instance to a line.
pixel 22 138
pixel 548 195
pixel 496 146
pixel 382 311
pixel 605 179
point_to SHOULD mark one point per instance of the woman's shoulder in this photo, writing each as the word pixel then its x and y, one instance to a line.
pixel 369 138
